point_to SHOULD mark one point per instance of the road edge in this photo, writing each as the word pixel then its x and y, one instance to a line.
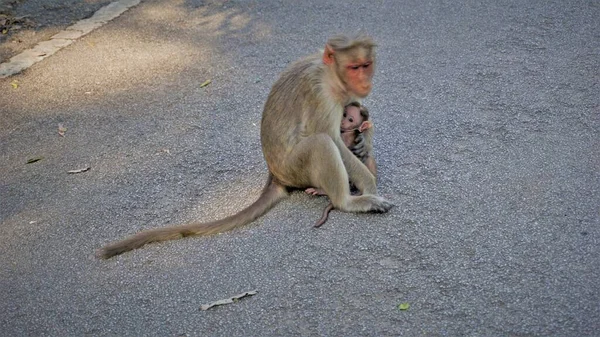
pixel 27 58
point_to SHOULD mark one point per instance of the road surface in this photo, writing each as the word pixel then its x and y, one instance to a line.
pixel 487 120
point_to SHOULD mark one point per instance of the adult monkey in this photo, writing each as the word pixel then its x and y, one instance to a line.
pixel 301 142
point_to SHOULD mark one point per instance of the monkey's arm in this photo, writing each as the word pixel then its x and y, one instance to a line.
pixel 363 149
pixel 363 144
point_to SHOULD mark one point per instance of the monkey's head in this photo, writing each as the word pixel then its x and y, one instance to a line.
pixel 353 60
pixel 354 117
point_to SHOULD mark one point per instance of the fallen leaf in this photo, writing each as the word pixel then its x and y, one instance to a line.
pixel 79 171
pixel 15 84
pixel 230 300
pixel 33 160
pixel 207 82
pixel 61 130
pixel 404 306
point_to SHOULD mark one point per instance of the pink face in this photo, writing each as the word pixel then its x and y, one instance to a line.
pixel 355 68
pixel 351 119
pixel 358 77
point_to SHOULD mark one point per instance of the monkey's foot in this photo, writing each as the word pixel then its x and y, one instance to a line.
pixel 382 206
pixel 315 191
pixel 367 203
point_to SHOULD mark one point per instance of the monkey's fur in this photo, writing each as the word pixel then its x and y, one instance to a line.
pixel 301 141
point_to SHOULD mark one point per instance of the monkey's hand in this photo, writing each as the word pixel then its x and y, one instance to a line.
pixel 360 148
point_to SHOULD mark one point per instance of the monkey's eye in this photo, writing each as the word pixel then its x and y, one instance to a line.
pixel 354 67
pixel 344 114
pixel 350 120
pixel 366 65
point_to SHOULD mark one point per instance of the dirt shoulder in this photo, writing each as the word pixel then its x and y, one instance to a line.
pixel 24 23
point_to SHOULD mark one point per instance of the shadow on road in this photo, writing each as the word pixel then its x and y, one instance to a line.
pixel 120 74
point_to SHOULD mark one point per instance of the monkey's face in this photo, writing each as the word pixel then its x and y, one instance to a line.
pixel 356 69
pixel 351 118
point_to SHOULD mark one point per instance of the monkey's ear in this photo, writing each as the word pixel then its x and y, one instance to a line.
pixel 365 125
pixel 328 55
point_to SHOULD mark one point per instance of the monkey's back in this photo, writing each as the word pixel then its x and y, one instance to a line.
pixel 284 115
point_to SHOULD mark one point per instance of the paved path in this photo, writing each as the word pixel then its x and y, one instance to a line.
pixel 487 123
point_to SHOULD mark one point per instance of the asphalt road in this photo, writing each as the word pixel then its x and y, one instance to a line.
pixel 487 119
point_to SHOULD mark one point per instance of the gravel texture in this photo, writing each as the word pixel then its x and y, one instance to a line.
pixel 487 119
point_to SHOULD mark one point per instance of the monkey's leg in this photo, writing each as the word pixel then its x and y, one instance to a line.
pixel 358 172
pixel 316 161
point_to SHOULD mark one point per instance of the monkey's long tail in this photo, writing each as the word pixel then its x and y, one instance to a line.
pixel 271 194
pixel 325 215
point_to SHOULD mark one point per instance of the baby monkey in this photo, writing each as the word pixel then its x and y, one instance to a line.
pixel 357 134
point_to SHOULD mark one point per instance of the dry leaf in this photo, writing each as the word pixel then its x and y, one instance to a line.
pixel 207 82
pixel 61 130
pixel 15 84
pixel 230 300
pixel 33 160
pixel 79 171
